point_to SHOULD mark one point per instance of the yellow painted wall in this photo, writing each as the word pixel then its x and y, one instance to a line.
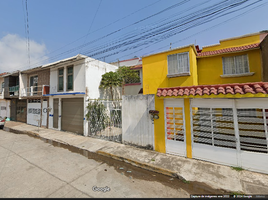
pixel 209 69
pixel 233 43
pixel 205 70
pixel 159 127
pixel 155 69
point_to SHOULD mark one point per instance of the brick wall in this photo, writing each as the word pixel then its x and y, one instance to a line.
pixel 43 77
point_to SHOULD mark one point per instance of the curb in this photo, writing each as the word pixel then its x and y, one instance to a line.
pixel 142 165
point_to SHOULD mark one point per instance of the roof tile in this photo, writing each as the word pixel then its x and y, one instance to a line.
pixel 235 88
pixel 228 50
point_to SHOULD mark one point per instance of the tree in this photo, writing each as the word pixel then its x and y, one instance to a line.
pixel 110 80
pixel 127 75
pixel 119 78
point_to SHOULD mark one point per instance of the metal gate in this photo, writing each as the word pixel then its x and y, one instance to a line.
pixel 231 132
pixel 105 119
pixel 175 127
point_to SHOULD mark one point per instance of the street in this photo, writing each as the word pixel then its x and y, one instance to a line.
pixel 30 167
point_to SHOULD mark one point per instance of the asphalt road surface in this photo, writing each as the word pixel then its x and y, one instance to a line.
pixel 30 167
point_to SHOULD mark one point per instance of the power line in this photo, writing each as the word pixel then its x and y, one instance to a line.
pixel 118 30
pixel 208 14
pixel 91 23
pixel 105 26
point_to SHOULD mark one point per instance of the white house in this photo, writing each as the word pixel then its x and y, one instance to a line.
pixel 4 104
pixel 73 81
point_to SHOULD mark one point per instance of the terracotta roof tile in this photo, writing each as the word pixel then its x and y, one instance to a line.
pixel 228 50
pixel 235 88
pixel 136 67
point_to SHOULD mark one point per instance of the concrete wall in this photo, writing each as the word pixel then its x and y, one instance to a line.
pixel 5 111
pixel 132 89
pixel 23 84
pixel 137 127
pixel 155 70
pixel 94 71
pixel 78 78
pixel 43 77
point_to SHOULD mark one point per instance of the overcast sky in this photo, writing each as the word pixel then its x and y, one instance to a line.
pixel 116 29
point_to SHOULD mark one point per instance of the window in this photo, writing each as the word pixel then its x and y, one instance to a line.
pixel 60 79
pixel 70 78
pixel 33 84
pixel 235 65
pixel 178 63
pixel 3 86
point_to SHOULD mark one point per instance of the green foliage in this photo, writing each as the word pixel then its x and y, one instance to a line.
pixel 127 75
pixel 110 79
pixel 97 116
pixel 237 168
pixel 122 76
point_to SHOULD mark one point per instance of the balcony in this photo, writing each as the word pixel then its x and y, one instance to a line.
pixel 13 91
pixel 35 91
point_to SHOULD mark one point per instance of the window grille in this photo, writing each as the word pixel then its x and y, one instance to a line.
pixel 252 133
pixel 174 123
pixel 214 127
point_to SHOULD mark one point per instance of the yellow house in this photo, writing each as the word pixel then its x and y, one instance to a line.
pixel 212 102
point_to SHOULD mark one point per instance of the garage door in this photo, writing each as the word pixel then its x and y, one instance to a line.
pixel 72 116
pixel 231 132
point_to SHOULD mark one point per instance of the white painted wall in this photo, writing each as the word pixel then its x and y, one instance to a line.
pixel 23 85
pixel 137 127
pixel 132 89
pixel 33 119
pixel 4 112
pixel 94 71
pixel 78 78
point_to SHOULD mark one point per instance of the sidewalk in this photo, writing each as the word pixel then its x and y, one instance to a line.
pixel 214 175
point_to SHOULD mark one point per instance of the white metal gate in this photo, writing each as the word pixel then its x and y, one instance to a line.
pixel 105 119
pixel 175 127
pixel 231 132
pixel 34 112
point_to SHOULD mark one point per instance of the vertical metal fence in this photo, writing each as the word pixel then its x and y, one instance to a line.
pixel 105 119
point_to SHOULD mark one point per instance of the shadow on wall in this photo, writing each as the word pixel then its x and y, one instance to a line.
pixel 106 94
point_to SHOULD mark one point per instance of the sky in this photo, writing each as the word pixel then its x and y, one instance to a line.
pixel 37 32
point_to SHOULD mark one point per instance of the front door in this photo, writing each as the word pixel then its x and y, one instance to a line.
pixel 22 110
pixel 175 127
pixel 55 112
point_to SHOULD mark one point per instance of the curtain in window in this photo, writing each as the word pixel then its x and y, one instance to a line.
pixel 228 64
pixel 183 63
pixel 172 64
pixel 235 65
pixel 178 63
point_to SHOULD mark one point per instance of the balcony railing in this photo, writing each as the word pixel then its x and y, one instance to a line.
pixel 14 90
pixel 39 90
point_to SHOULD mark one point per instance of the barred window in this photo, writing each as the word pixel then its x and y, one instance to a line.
pixel 235 64
pixel 178 63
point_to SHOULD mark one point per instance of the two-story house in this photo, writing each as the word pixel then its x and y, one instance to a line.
pixel 34 84
pixel 18 107
pixel 4 104
pixel 74 81
pixel 212 102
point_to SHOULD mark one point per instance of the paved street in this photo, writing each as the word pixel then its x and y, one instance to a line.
pixel 30 167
